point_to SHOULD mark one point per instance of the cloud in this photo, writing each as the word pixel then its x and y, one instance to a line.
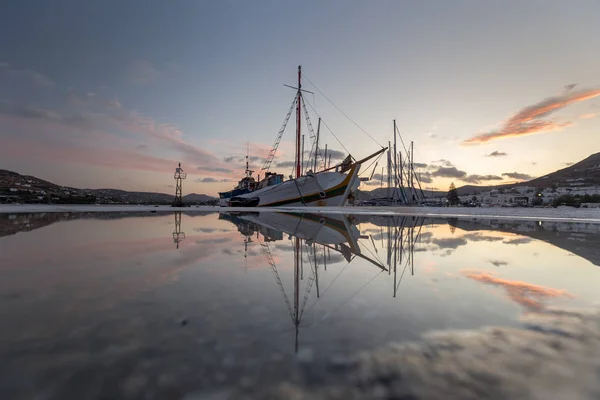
pixel 498 263
pixel 335 154
pixel 448 172
pixel 526 294
pixel 425 177
pixel 480 178
pixel 496 154
pixel 518 241
pixel 215 169
pixel 570 87
pixel 372 182
pixel 142 72
pixel 529 120
pixel 110 158
pixel 568 164
pixel 442 161
pixel 141 146
pixel 87 121
pixel 517 175
pixel 589 115
pixel 208 179
pixel 30 75
pixel 26 111
pixel 420 165
pixel 285 164
pixel 480 237
pixel 449 243
pixel 242 159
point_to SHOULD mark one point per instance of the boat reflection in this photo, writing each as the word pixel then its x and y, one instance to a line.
pixel 315 236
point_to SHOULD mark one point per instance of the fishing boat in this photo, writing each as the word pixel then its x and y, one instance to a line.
pixel 331 186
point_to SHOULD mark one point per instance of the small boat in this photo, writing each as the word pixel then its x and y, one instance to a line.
pixel 332 186
pixel 238 201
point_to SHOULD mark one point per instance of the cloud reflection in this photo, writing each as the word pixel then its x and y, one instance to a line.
pixel 526 294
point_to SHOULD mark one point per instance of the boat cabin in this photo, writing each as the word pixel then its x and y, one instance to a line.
pixel 270 179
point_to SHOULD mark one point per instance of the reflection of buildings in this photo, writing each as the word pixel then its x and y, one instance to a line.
pixel 580 238
pixel 178 236
pixel 314 238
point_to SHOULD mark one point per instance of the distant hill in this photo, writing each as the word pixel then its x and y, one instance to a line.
pixel 29 189
pixel 583 173
pixel 196 198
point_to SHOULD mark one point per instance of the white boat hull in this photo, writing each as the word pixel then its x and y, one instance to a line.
pixel 323 229
pixel 329 188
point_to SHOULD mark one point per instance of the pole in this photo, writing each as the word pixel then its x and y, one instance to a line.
pixel 298 124
pixel 317 145
pixel 297 261
pixel 302 164
pixel 395 162
pixel 389 169
pixel 412 160
pixel 325 158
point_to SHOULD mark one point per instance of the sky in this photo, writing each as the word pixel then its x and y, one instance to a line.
pixel 114 94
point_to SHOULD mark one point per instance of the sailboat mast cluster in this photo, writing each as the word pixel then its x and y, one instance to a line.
pixel 331 186
pixel 403 186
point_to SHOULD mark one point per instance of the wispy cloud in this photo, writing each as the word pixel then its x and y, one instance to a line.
pixel 496 154
pixel 526 294
pixel 285 164
pixel 215 169
pixel 94 124
pixel 142 72
pixel 518 241
pixel 448 172
pixel 530 120
pixel 498 263
pixel 481 178
pixel 589 115
pixel 207 179
pixel 518 176
pixel 30 75
pixel 443 162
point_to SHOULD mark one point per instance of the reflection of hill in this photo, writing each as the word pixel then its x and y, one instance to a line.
pixel 582 239
pixel 11 224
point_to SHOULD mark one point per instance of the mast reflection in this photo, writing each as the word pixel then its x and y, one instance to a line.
pixel 315 236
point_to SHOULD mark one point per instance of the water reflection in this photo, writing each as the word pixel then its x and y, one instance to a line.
pixel 178 235
pixel 249 296
pixel 314 238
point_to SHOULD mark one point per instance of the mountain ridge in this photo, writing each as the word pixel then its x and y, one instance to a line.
pixel 27 188
pixel 583 173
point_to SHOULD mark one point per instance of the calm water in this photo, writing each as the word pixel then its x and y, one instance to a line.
pixel 163 305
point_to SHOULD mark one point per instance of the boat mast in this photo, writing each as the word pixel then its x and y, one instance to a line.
pixel 298 125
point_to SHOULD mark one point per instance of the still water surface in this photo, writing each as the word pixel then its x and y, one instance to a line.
pixel 162 305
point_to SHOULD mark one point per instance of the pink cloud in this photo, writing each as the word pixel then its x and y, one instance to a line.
pixel 526 294
pixel 111 158
pixel 528 121
pixel 589 115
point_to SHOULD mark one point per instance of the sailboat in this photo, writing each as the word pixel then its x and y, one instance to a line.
pixel 332 186
pixel 246 185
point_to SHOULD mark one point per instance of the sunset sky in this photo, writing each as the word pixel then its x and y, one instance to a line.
pixel 115 94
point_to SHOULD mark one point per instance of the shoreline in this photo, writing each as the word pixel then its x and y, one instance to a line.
pixel 566 214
